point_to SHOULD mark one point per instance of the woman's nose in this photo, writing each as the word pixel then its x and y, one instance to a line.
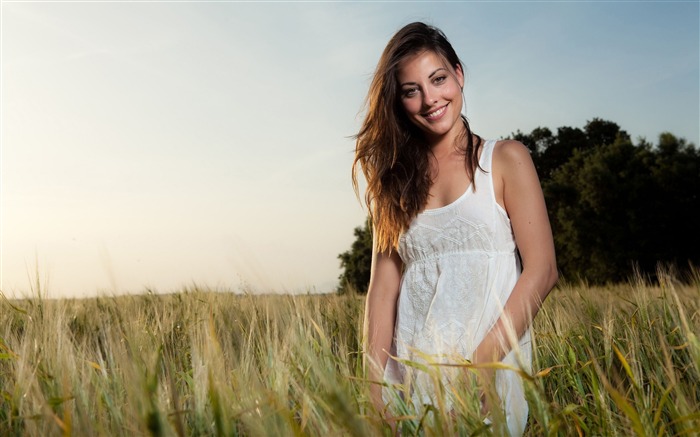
pixel 428 99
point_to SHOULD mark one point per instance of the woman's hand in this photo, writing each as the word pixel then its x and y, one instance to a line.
pixel 480 380
pixel 486 378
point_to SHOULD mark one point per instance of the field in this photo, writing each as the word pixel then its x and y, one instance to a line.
pixel 615 360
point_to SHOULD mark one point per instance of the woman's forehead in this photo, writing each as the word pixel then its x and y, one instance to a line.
pixel 425 59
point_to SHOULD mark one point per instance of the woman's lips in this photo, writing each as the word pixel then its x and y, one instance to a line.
pixel 436 114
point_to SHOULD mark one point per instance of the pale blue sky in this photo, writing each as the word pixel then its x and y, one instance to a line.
pixel 168 144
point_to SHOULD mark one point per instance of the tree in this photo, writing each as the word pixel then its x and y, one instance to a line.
pixel 356 262
pixel 675 203
pixel 601 132
pixel 549 152
pixel 565 143
pixel 616 206
pixel 596 202
pixel 537 141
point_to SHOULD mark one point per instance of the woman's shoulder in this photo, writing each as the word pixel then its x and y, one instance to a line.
pixel 511 158
pixel 510 149
pixel 509 153
pixel 513 168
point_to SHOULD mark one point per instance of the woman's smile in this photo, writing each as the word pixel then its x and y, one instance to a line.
pixel 436 114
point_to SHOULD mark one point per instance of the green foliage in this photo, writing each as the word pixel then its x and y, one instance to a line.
pixel 356 262
pixel 549 151
pixel 620 206
pixel 595 200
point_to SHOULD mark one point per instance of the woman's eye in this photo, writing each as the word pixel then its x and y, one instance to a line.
pixel 409 92
pixel 440 79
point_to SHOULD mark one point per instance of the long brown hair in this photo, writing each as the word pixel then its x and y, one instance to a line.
pixel 393 154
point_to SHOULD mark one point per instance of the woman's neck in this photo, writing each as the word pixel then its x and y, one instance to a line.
pixel 455 140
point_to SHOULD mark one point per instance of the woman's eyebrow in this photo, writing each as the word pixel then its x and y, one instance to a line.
pixel 429 77
pixel 435 72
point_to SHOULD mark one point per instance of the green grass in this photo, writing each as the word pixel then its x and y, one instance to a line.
pixel 618 360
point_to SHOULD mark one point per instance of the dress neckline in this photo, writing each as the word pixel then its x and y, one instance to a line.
pixel 439 209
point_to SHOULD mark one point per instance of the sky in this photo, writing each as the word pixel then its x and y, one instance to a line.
pixel 163 146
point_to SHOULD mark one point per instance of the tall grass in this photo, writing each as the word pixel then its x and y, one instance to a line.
pixel 618 360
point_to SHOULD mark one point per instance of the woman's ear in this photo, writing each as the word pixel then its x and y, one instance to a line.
pixel 460 75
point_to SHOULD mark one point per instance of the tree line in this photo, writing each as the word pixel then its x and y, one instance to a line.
pixel 616 206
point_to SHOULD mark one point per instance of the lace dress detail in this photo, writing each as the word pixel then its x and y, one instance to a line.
pixel 460 266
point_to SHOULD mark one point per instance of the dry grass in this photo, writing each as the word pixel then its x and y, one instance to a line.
pixel 618 360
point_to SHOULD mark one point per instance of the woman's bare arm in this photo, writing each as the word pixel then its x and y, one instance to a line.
pixel 518 190
pixel 380 317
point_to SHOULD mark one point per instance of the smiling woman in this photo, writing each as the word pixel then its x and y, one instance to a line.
pixel 453 218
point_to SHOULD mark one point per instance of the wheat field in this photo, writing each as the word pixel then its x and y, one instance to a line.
pixel 615 360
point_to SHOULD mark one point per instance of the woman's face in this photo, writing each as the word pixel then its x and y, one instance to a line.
pixel 431 94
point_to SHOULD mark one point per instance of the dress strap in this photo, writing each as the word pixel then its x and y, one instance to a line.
pixel 486 158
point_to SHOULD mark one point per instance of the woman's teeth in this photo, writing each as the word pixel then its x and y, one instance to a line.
pixel 436 113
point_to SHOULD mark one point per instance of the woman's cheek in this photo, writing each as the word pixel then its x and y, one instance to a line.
pixel 410 106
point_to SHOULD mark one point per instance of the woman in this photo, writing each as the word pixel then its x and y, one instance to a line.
pixel 453 216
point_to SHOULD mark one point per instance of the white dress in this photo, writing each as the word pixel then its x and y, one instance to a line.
pixel 460 266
